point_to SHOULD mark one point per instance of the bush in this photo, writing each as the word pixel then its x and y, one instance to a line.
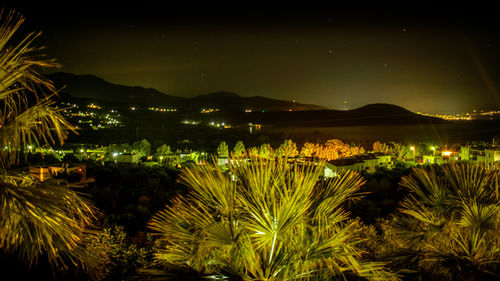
pixel 115 258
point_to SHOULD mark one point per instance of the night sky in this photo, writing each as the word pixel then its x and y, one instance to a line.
pixel 428 59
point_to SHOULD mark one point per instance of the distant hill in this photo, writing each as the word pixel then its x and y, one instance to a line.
pixel 92 87
pixel 372 114
pixel 89 86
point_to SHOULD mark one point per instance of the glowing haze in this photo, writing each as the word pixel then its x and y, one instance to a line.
pixel 430 61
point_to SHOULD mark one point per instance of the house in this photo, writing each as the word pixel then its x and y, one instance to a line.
pixel 45 172
pixel 127 158
pixel 489 156
pixel 356 163
pixel 42 173
pixel 472 153
pixel 223 161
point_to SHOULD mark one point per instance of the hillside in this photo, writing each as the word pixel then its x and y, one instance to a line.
pixel 372 114
pixel 89 86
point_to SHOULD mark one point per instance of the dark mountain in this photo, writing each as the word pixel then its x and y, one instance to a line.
pixel 89 86
pixel 372 114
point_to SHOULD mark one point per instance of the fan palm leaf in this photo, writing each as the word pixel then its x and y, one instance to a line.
pixel 42 219
pixel 451 218
pixel 264 219
pixel 37 219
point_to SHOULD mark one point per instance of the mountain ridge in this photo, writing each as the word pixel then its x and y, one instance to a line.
pixel 91 86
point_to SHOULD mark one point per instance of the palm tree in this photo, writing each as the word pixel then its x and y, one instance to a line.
pixel 264 219
pixel 36 218
pixel 450 223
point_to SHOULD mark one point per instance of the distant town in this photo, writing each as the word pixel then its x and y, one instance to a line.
pixel 475 115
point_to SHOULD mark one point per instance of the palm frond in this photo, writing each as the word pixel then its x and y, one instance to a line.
pixel 452 219
pixel 42 219
pixel 36 218
pixel 264 219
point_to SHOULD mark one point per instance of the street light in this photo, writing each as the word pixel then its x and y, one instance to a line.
pixel 433 150
pixel 413 150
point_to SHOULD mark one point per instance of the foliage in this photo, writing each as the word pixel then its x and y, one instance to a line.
pixel 42 218
pixel 265 219
pixel 287 149
pixel 400 151
pixel 450 223
pixel 332 149
pixel 383 194
pixel 265 150
pixel 70 158
pixel 381 147
pixel 115 257
pixel 223 150
pixel 36 218
pixel 27 115
pixel 129 194
pixel 253 151
pixel 239 149
pixel 143 147
pixel 163 150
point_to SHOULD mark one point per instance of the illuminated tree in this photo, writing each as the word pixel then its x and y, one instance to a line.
pixel 223 150
pixel 239 149
pixel 450 223
pixel 400 151
pixel 36 218
pixel 253 151
pixel 287 149
pixel 308 149
pixel 263 220
pixel 163 150
pixel 265 150
pixel 142 147
pixel 356 150
pixel 380 147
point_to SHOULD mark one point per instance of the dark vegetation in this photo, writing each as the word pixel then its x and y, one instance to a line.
pixel 128 195
pixel 382 194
